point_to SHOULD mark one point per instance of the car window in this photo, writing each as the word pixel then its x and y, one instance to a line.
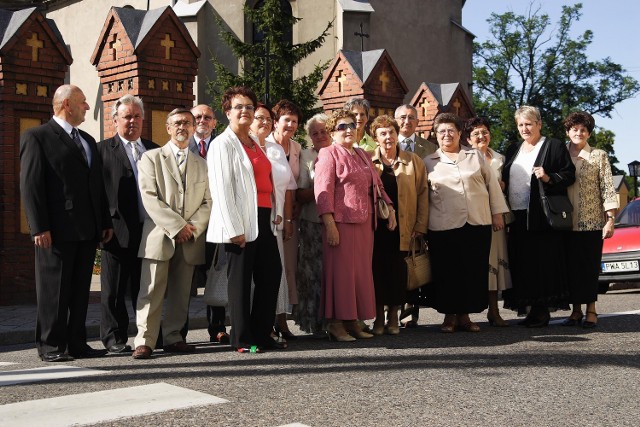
pixel 630 215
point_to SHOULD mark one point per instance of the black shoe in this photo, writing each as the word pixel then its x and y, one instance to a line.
pixel 590 325
pixel 571 321
pixel 56 356
pixel 88 353
pixel 120 348
pixel 539 322
pixel 272 344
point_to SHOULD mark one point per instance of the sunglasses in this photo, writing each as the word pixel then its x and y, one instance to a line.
pixel 345 126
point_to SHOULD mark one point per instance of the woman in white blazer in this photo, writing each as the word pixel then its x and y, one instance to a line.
pixel 243 218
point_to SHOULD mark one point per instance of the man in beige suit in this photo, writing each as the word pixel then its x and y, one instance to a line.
pixel 407 118
pixel 175 193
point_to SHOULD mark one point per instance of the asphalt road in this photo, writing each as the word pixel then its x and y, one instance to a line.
pixel 555 376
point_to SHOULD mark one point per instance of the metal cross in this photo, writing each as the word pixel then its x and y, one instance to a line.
pixel 362 36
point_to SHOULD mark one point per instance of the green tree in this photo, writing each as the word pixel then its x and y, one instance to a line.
pixel 273 24
pixel 526 62
pixel 604 139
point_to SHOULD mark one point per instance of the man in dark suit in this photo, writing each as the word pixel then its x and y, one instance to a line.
pixel 66 207
pixel 120 263
pixel 199 144
pixel 407 118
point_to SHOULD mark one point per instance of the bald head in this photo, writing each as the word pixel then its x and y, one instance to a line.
pixel 70 104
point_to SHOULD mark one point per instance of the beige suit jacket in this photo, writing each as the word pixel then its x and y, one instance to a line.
pixel 170 204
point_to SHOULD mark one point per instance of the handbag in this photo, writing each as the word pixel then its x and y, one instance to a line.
pixel 557 208
pixel 215 291
pixel 418 264
pixel 382 207
pixel 509 217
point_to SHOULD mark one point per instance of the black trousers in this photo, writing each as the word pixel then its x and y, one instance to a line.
pixel 63 281
pixel 120 273
pixel 252 320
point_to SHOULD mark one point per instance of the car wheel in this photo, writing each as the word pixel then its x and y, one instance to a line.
pixel 603 288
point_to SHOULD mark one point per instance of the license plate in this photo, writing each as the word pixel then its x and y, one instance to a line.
pixel 612 267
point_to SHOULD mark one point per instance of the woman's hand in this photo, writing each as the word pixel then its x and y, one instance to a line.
pixel 539 172
pixel 239 240
pixel 416 234
pixel 333 236
pixel 608 229
pixel 392 220
pixel 497 220
pixel 278 220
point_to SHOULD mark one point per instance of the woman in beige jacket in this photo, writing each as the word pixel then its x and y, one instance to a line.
pixel 465 200
pixel 404 177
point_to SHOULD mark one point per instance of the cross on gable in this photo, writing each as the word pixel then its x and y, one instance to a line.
pixel 115 45
pixel 384 79
pixel 35 44
pixel 457 105
pixel 167 43
pixel 424 105
pixel 341 79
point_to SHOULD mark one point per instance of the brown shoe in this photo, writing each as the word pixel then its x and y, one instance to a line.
pixel 142 352
pixel 179 347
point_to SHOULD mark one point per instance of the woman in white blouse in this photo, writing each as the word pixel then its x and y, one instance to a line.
pixel 465 201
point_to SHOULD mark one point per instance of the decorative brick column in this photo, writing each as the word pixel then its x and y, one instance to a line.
pixel 149 54
pixel 432 99
pixel 370 74
pixel 33 62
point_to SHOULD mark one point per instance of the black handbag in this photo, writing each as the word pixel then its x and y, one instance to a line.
pixel 557 208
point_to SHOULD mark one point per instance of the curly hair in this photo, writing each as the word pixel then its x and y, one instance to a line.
pixel 330 124
pixel 447 118
pixel 579 118
pixel 232 92
pixel 383 121
pixel 476 122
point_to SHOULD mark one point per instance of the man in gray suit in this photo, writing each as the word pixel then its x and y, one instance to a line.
pixel 174 186
pixel 407 118
pixel 120 270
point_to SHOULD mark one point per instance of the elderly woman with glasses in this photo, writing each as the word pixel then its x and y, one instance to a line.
pixel 465 201
pixel 345 190
pixel 479 136
pixel 243 217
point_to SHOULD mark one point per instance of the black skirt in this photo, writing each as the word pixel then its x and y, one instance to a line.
pixel 538 261
pixel 584 252
pixel 460 276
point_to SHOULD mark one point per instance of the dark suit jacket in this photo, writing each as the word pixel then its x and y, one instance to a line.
pixel 122 191
pixel 194 146
pixel 424 147
pixel 557 164
pixel 61 193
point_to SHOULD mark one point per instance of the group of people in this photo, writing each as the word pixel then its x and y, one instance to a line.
pixel 319 234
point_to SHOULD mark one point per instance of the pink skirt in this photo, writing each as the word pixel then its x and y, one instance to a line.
pixel 347 278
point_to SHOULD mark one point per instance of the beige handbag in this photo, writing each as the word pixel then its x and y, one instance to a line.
pixel 418 264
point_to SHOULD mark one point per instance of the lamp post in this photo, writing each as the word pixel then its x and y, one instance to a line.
pixel 634 171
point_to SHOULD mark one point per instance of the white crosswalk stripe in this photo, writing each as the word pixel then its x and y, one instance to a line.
pixel 101 406
pixel 52 372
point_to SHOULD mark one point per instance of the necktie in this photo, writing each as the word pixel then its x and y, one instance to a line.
pixel 203 150
pixel 407 143
pixel 181 157
pixel 76 138
pixel 135 152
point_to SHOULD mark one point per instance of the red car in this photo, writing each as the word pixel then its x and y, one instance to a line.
pixel 621 253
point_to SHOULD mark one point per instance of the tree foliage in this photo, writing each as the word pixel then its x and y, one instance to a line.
pixel 527 62
pixel 270 20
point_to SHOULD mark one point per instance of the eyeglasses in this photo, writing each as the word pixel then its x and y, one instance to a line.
pixel 202 117
pixel 345 126
pixel 405 117
pixel 443 132
pixel 265 119
pixel 185 123
pixel 241 107
pixel 478 133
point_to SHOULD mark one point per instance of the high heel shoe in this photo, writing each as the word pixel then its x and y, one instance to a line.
pixel 353 328
pixel 284 333
pixel 336 332
pixel 496 320
pixel 587 324
pixel 572 321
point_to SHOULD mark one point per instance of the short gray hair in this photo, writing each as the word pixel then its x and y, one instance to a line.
pixel 127 99
pixel 358 102
pixel 528 112
pixel 409 106
pixel 318 118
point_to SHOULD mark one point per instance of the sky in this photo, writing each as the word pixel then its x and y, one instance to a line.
pixel 614 24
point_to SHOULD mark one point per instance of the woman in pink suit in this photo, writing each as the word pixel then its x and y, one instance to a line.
pixel 344 188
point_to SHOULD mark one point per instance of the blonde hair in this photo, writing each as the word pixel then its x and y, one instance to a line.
pixel 528 112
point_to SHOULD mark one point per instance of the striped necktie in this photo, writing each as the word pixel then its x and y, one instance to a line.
pixel 407 143
pixel 75 135
pixel 181 158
